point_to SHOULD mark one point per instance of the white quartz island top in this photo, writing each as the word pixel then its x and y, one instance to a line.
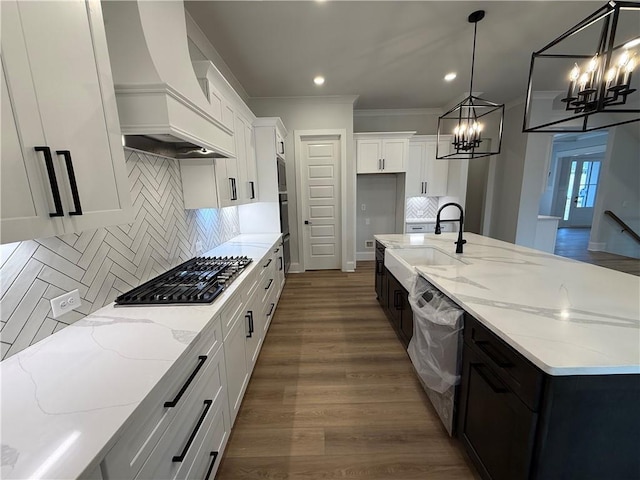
pixel 566 317
pixel 66 399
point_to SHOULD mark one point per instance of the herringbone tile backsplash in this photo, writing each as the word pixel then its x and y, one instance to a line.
pixel 105 262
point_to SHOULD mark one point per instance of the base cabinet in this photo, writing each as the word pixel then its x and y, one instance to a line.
pixel 398 309
pixel 517 422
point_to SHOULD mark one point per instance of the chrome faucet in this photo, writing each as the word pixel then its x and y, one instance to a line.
pixel 460 241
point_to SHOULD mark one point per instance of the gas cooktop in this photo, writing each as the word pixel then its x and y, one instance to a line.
pixel 199 280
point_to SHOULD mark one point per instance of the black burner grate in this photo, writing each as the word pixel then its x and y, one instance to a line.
pixel 199 280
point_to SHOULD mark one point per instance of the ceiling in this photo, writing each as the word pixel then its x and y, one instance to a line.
pixel 394 55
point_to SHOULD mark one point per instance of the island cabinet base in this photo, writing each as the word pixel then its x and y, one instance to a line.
pixel 517 422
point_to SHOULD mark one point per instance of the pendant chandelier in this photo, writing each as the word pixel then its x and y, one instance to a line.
pixel 475 124
pixel 583 80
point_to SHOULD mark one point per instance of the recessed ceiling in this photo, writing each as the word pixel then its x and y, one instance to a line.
pixel 392 54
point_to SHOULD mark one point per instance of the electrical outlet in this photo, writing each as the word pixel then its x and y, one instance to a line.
pixel 198 246
pixel 364 207
pixel 65 303
pixel 368 244
pixel 367 221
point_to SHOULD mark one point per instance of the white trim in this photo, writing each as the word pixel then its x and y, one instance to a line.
pixel 397 112
pixel 364 256
pixel 342 134
pixel 348 99
pixel 596 246
pixel 295 268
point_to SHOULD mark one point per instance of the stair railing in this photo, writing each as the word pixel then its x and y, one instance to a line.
pixel 625 227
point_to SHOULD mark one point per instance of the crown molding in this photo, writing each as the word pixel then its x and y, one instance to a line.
pixel 397 112
pixel 333 99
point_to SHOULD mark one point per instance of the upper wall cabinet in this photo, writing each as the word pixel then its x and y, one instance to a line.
pixel 426 176
pixel 63 168
pixel 382 152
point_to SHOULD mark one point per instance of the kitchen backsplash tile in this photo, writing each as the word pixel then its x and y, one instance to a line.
pixel 105 262
pixel 421 207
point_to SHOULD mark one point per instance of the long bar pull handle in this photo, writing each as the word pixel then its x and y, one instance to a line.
pixel 273 305
pixel 72 181
pixel 249 317
pixel 214 455
pixel 383 163
pixel 174 402
pixel 180 458
pixel 397 300
pixel 491 352
pixel 497 387
pixel 253 190
pixel 282 147
pixel 281 263
pixel 51 172
pixel 234 194
pixel 269 286
pixel 267 264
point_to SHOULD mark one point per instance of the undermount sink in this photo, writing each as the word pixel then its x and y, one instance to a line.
pixel 400 261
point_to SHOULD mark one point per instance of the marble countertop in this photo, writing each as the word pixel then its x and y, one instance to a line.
pixel 65 399
pixel 566 317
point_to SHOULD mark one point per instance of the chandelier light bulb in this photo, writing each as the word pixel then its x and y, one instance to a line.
pixel 593 64
pixel 623 58
pixel 631 64
pixel 611 74
pixel 575 73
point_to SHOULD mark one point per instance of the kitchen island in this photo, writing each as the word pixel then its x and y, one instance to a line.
pixel 551 357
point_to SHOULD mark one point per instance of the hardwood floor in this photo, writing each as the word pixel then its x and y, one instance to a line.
pixel 573 243
pixel 334 395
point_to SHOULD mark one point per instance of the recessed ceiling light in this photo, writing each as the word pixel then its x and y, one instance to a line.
pixel 319 80
pixel 450 76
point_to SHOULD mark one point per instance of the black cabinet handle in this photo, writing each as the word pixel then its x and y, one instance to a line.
pixel 234 193
pixel 281 263
pixel 213 462
pixel 494 355
pixel 282 147
pixel 496 387
pixel 267 264
pixel 72 181
pixel 397 301
pixel 269 286
pixel 273 305
pixel 207 406
pixel 174 402
pixel 253 190
pixel 379 267
pixel 51 172
pixel 249 317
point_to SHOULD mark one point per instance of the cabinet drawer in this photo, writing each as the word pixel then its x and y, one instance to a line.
pixel 267 285
pixel 230 312
pixel 126 458
pixel 177 450
pixel 522 376
pixel 208 458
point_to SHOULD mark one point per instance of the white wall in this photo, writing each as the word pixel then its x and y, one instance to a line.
pixel 314 113
pixel 509 169
pixel 619 191
pixel 378 193
pixel 424 121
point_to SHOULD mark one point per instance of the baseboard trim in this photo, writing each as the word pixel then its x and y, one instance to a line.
pixel 596 246
pixel 364 256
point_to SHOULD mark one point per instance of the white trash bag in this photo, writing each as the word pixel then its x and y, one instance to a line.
pixel 434 348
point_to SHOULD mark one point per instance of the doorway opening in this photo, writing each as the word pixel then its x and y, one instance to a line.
pixel 575 164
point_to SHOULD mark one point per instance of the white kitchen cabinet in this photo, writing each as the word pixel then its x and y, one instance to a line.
pixel 199 183
pixel 63 167
pixel 429 227
pixel 161 420
pixel 246 161
pixel 279 144
pixel 426 176
pixel 235 358
pixel 382 152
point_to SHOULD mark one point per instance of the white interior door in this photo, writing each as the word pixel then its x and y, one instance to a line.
pixel 321 205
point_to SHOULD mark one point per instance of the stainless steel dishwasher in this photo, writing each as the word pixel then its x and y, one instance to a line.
pixel 436 346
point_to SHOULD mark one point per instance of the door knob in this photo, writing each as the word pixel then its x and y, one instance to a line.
pixel 307 222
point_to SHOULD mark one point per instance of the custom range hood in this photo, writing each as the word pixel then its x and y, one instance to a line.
pixel 158 95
